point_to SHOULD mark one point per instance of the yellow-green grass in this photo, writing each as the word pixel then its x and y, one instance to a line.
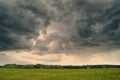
pixel 60 74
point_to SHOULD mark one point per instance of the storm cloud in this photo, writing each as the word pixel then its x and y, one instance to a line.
pixel 19 24
pixel 71 27
pixel 81 23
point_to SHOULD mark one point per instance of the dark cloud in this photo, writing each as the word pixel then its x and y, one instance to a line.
pixel 18 23
pixel 59 25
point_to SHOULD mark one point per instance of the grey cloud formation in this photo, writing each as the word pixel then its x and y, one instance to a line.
pixel 83 23
pixel 57 26
pixel 18 23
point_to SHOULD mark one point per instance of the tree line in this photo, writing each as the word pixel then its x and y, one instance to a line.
pixel 41 66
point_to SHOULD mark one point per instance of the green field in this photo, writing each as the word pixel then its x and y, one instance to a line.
pixel 60 74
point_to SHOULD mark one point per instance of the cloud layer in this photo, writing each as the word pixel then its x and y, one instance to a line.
pixel 70 27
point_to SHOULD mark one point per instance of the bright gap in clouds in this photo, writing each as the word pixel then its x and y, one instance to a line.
pixel 26 57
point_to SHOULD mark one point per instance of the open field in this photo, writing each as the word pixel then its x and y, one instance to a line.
pixel 60 74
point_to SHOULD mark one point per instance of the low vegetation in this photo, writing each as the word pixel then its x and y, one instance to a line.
pixel 60 74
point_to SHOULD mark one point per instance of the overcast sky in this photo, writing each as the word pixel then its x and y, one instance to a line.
pixel 67 32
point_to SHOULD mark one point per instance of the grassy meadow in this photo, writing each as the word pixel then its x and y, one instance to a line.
pixel 60 74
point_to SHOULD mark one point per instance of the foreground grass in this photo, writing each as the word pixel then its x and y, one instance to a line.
pixel 60 74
